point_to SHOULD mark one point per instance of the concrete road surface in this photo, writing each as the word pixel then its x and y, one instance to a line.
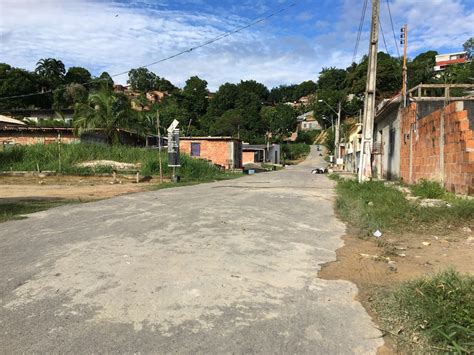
pixel 227 267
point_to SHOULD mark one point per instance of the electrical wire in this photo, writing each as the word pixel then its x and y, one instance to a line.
pixel 206 43
pixel 383 36
pixel 393 29
pixel 359 31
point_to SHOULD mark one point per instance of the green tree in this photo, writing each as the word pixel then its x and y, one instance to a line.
pixel 107 111
pixel 14 82
pixel 195 98
pixel 78 75
pixel 421 69
pixel 68 96
pixel 103 82
pixel 332 79
pixel 280 120
pixel 52 71
pixel 141 79
pixel 469 47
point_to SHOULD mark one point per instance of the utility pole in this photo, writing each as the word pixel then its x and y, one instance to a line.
pixel 365 164
pixel 337 137
pixel 159 144
pixel 403 40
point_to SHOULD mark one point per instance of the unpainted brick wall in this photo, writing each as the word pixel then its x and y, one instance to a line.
pixel 214 150
pixel 28 138
pixel 455 166
pixel 248 157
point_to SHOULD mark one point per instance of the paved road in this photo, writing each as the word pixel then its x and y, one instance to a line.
pixel 227 267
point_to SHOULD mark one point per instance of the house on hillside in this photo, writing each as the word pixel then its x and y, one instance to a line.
pixel 352 148
pixel 156 96
pixel 225 152
pixel 445 60
pixel 307 122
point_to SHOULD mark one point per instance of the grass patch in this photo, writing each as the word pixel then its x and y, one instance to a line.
pixel 428 189
pixel 373 205
pixel 46 157
pixel 437 310
pixel 16 209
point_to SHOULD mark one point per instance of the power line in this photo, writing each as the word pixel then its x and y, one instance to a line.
pixel 206 43
pixel 383 36
pixel 393 29
pixel 359 31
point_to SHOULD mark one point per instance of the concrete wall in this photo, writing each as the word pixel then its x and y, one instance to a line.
pixel 274 154
pixel 225 153
pixel 439 146
pixel 387 134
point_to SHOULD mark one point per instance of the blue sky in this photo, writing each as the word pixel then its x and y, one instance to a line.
pixel 293 46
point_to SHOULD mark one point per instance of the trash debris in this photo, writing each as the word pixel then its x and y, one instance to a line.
pixel 426 244
pixel 377 234
pixel 319 170
pixel 392 266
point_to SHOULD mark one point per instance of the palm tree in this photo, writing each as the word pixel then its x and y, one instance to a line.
pixel 107 112
pixel 52 70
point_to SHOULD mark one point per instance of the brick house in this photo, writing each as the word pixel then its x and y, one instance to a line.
pixel 432 138
pixel 225 152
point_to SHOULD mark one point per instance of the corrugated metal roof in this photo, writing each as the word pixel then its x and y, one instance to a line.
pixel 11 120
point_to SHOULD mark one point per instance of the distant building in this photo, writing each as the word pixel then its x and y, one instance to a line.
pixel 445 60
pixel 225 152
pixel 10 121
pixel 307 122
pixel 27 135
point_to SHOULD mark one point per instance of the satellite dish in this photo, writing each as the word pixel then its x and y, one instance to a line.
pixel 173 126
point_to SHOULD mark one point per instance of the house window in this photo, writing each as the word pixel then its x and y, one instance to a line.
pixel 195 149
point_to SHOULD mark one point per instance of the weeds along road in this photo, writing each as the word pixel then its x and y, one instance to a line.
pixel 227 267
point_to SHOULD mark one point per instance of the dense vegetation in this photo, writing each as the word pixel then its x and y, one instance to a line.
pixel 247 109
pixel 47 157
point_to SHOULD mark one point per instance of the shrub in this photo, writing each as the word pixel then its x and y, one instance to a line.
pixel 428 189
pixel 440 307
pixel 294 151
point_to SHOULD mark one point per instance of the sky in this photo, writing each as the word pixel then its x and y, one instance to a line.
pixel 290 47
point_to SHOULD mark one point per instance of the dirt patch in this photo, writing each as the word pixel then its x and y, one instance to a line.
pixel 375 263
pixel 69 187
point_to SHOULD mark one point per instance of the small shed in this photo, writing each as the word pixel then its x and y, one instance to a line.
pixel 261 153
pixel 225 152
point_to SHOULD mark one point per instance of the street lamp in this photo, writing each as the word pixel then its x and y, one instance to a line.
pixel 338 124
pixel 330 120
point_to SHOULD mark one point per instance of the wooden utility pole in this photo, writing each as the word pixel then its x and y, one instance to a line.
pixel 403 40
pixel 159 144
pixel 365 164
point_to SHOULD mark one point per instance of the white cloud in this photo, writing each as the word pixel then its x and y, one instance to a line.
pixel 106 36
